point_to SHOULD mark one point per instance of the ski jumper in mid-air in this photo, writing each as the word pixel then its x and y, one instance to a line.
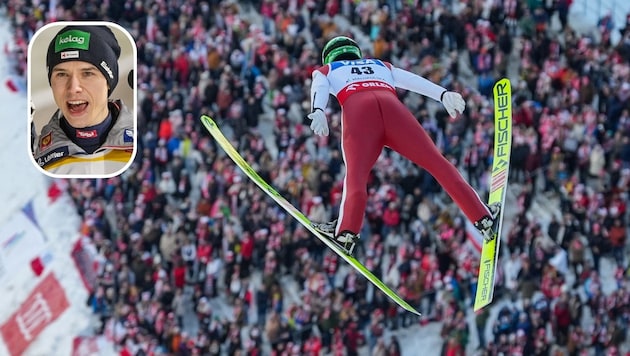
pixel 372 118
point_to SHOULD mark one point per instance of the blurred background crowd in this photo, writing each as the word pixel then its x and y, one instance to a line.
pixel 195 260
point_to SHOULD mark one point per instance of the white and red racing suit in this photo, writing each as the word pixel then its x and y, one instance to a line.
pixel 373 117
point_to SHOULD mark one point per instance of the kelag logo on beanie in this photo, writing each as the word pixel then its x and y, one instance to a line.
pixel 96 45
pixel 74 39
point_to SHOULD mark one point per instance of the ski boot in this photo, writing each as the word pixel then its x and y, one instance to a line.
pixel 345 240
pixel 326 228
pixel 489 225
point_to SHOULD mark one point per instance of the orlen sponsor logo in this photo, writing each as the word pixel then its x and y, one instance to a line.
pixel 368 84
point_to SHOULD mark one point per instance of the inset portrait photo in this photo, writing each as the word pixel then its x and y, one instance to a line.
pixel 82 93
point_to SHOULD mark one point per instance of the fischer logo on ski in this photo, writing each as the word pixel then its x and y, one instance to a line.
pixel 502 94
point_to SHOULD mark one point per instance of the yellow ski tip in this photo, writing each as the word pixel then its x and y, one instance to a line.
pixel 207 119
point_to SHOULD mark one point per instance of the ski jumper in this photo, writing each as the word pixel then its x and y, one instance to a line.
pixel 373 117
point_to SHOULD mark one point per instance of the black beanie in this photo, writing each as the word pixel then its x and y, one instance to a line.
pixel 93 44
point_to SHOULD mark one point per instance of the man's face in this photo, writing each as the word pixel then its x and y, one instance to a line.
pixel 80 91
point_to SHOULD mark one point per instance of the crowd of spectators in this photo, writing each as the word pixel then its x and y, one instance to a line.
pixel 183 227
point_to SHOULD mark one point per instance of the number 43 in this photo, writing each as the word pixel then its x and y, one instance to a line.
pixel 362 70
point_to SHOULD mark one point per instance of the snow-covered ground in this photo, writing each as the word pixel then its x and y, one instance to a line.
pixel 20 184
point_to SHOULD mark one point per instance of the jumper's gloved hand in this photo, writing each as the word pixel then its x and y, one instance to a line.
pixel 453 103
pixel 319 122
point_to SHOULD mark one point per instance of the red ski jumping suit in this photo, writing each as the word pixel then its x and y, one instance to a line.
pixel 373 117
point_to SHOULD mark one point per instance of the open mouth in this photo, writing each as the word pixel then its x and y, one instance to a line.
pixel 76 106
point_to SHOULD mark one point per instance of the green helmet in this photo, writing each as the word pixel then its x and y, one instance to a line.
pixel 340 45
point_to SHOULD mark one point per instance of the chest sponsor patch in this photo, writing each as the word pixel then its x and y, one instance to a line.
pixel 128 135
pixel 356 62
pixel 369 84
pixel 52 156
pixel 45 141
pixel 363 86
pixel 87 134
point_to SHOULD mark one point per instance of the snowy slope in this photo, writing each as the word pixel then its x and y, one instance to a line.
pixel 20 184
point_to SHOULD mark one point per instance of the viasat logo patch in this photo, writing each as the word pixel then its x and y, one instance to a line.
pixel 45 141
pixel 128 135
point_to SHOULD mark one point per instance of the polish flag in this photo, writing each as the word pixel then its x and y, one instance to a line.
pixel 39 263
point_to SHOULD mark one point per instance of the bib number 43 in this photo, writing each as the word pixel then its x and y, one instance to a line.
pixel 362 70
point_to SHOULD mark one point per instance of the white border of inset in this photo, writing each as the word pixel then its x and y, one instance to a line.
pixel 122 90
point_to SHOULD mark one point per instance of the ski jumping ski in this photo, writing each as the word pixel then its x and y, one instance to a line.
pixel 502 94
pixel 229 149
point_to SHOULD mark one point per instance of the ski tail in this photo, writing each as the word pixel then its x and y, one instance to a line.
pixel 502 94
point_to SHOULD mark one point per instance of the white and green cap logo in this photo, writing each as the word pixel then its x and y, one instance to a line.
pixel 96 45
pixel 74 39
